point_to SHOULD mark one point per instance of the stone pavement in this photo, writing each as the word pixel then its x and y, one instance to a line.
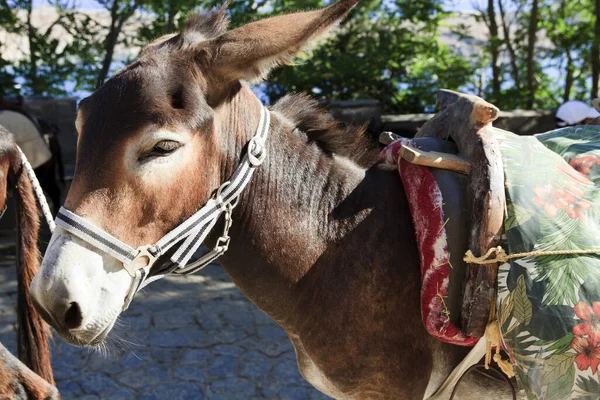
pixel 194 337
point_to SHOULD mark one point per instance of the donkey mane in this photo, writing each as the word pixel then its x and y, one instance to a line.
pixel 316 125
pixel 197 27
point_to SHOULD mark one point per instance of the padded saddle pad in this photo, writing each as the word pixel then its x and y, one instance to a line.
pixel 440 209
pixel 549 306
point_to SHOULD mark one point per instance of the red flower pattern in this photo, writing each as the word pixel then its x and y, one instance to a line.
pixel 575 176
pixel 573 190
pixel 574 210
pixel 588 353
pixel 568 198
pixel 584 164
pixel 549 198
pixel 591 316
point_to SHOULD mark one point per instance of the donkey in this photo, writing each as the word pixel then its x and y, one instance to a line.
pixel 32 376
pixel 322 239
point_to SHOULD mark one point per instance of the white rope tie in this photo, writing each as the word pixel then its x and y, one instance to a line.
pixel 39 193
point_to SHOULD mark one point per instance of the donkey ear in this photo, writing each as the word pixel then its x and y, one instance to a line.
pixel 251 51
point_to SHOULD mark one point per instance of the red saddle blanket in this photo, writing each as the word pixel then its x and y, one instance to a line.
pixel 425 201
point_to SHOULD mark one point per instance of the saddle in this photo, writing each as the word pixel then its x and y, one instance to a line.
pixel 542 307
pixel 458 144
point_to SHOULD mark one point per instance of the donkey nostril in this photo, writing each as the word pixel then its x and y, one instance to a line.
pixel 73 316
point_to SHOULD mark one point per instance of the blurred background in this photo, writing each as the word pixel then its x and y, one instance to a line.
pixel 383 67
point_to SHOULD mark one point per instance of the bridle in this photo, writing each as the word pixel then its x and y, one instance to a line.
pixel 188 236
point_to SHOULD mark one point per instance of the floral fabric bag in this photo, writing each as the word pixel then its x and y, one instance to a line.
pixel 549 305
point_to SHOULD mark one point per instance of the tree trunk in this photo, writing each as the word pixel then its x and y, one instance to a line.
pixel 117 20
pixel 171 17
pixel 533 22
pixel 570 77
pixel 596 54
pixel 511 50
pixel 493 26
pixel 33 50
pixel 109 48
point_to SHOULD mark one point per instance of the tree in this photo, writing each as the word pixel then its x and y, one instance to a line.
pixel 7 78
pixel 528 65
pixel 568 25
pixel 40 44
pixel 488 16
pixel 120 12
pixel 508 42
pixel 385 51
pixel 531 40
pixel 47 63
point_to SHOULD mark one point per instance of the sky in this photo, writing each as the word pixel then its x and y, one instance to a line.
pixel 453 5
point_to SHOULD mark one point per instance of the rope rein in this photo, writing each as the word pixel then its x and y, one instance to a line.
pixel 502 257
pixel 39 193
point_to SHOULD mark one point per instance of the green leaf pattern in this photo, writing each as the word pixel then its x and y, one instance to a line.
pixel 561 387
pixel 522 308
pixel 553 203
pixel 557 366
pixel 516 215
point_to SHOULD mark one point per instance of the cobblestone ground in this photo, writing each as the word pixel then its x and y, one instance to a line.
pixel 194 337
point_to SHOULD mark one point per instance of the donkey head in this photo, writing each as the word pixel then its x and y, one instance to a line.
pixel 151 150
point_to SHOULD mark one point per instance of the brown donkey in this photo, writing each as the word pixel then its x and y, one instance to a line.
pixel 322 238
pixel 30 378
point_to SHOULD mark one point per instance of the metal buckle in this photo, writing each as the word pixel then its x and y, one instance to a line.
pixel 222 244
pixel 256 144
pixel 144 258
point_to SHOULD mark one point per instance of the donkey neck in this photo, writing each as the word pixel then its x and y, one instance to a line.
pixel 290 212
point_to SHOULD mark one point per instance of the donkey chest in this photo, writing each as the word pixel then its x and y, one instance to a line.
pixel 312 373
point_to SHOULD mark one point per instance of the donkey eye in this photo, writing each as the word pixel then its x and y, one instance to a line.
pixel 162 148
pixel 166 147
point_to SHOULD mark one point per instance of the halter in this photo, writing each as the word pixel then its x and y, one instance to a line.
pixel 189 235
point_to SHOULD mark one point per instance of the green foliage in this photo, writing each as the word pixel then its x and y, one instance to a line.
pixel 522 308
pixel 561 345
pixel 7 79
pixel 387 52
pixel 517 215
pixel 48 62
pixel 562 52
pixel 556 366
pixel 561 387
pixel 569 25
pixel 169 16
pixel 589 388
pixel 564 273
